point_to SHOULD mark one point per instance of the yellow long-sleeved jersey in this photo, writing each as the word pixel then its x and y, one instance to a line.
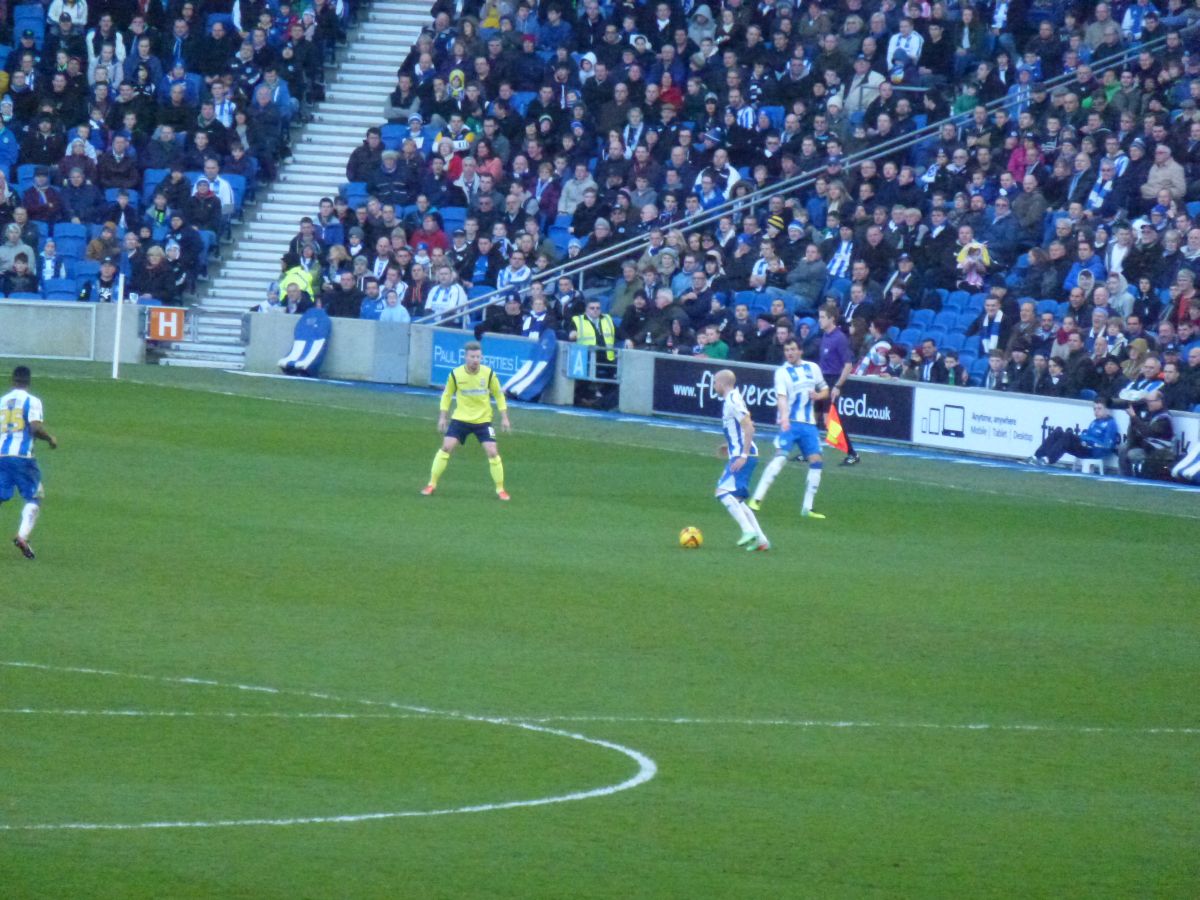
pixel 473 395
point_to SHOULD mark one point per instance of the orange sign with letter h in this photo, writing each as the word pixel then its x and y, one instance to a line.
pixel 166 323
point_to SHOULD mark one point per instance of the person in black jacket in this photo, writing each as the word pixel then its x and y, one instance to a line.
pixel 155 278
pixel 1149 448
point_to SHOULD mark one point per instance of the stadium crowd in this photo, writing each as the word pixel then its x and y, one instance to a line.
pixel 1043 238
pixel 131 133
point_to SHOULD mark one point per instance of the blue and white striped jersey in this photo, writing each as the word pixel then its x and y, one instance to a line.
pixel 733 411
pixel 17 409
pixel 796 384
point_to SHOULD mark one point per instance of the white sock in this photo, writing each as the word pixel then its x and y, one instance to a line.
pixel 770 473
pixel 753 520
pixel 811 483
pixel 737 510
pixel 29 516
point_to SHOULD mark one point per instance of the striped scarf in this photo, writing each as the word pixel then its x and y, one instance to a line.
pixel 1100 192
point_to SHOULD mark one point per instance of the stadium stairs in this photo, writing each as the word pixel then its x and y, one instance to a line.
pixel 355 97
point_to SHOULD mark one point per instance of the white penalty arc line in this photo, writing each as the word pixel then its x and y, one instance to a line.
pixel 646 770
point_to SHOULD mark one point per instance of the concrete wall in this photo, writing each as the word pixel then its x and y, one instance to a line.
pixel 358 350
pixel 50 330
pixel 637 383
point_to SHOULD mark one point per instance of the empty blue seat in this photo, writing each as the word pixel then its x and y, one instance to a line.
pixel 945 319
pixel 59 285
pixel 1047 306
pixel 965 320
pixel 237 184
pixel 975 303
pixel 922 318
pixel 776 114
pixel 979 369
pixel 952 342
pixel 70 246
pixel 86 268
pixel 965 358
pixel 393 135
pixel 909 337
pixel 70 229
pixel 959 299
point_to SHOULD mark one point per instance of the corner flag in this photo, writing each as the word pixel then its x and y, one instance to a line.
pixel 835 435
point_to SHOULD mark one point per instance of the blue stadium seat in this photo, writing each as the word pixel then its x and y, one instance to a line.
pixel 1063 308
pixel 151 179
pixel 70 229
pixel 946 300
pixel 453 217
pixel 777 114
pixel 393 135
pixel 965 358
pixel 975 304
pixel 935 334
pixel 521 100
pixel 561 237
pixel 135 196
pixel 910 336
pixel 86 268
pixel 978 370
pixel 71 246
pixel 958 299
pixel 893 334
pixel 748 297
pixel 952 341
pixel 479 290
pixel 59 285
pixel 1047 306
pixel 922 318
pixel 563 220
pixel 965 320
pixel 946 319
pixel 23 295
pixel 224 18
pixel 1193 208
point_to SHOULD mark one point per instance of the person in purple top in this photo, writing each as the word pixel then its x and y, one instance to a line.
pixel 837 362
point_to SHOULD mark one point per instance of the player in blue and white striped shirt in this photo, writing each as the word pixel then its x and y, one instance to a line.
pixel 798 387
pixel 20 426
pixel 734 484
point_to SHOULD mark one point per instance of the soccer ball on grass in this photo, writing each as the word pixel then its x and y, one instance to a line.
pixel 690 538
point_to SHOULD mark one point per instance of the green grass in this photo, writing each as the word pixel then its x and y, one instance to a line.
pixel 270 533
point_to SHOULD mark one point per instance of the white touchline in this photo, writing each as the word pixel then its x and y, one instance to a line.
pixel 646 767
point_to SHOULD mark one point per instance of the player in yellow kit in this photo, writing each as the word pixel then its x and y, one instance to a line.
pixel 472 386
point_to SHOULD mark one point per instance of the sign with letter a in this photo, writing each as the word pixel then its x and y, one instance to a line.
pixel 165 323
pixel 577 361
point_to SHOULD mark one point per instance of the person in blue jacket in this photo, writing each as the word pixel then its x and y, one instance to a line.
pixel 1095 442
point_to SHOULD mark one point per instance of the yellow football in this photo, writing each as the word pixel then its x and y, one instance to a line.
pixel 690 538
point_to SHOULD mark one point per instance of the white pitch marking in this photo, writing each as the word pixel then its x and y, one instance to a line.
pixel 184 714
pixel 835 723
pixel 647 768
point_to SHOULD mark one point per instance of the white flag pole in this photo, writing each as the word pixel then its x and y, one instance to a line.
pixel 120 300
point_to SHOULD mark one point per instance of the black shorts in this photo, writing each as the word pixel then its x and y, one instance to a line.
pixel 460 431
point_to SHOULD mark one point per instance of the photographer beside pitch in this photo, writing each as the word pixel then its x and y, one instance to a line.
pixel 21 418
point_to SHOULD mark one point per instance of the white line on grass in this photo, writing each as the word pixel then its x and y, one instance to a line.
pixel 187 714
pixel 646 770
pixel 839 723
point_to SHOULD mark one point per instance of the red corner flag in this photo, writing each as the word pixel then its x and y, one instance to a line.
pixel 835 435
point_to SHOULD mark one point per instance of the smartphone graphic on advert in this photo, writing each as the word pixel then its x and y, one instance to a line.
pixel 954 420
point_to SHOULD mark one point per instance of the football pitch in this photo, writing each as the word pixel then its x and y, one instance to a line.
pixel 252 661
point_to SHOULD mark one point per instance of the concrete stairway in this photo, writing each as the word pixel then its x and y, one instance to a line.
pixel 355 99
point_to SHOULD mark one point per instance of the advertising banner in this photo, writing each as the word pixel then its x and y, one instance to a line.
pixel 684 387
pixel 874 407
pixel 504 354
pixel 1001 424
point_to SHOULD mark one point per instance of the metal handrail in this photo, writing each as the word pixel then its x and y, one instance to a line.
pixel 804 179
